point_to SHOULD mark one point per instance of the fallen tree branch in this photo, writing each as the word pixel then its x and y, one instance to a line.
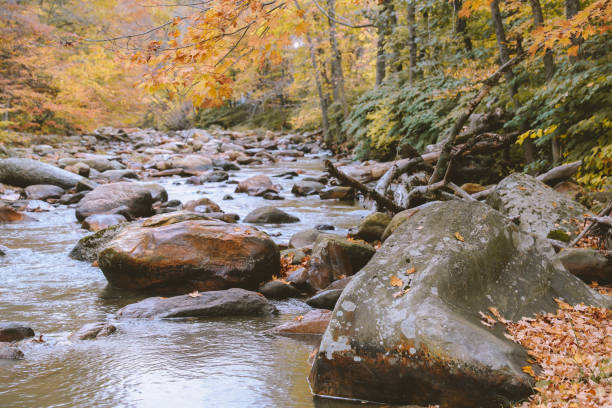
pixel 381 200
pixel 605 212
pixel 445 154
pixel 398 168
pixel 560 173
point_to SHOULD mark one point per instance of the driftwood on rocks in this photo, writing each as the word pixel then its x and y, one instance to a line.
pixel 560 173
pixel 381 200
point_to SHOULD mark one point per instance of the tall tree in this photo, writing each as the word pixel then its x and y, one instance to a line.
pixel 337 75
pixel 412 47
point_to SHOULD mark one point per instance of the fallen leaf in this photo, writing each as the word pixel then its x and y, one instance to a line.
pixel 487 320
pixel 459 237
pixel 420 227
pixel 410 271
pixel 194 294
pixel 299 318
pixel 521 188
pixel 528 370
pixel 395 281
pixel 401 293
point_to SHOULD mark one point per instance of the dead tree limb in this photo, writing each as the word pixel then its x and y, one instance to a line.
pixel 605 212
pixel 398 168
pixel 488 84
pixel 560 173
pixel 381 200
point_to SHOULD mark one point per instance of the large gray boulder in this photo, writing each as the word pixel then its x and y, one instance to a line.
pixel 270 215
pixel 26 172
pixel 107 198
pixel 230 302
pixel 538 208
pixel 43 191
pixel 414 336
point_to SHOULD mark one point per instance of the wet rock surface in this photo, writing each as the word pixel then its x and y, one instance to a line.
pixel 405 336
pixel 107 198
pixel 14 332
pixel 312 323
pixel 202 255
pixel 93 331
pixel 26 172
pixel 270 215
pixel 230 302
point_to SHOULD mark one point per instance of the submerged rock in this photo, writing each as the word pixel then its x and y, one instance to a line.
pixel 10 352
pixel 27 172
pixel 230 302
pixel 14 332
pixel 539 208
pixel 200 254
pixel 413 336
pixel 108 197
pixel 304 238
pixel 93 331
pixel 314 322
pixel 7 214
pixel 270 215
pixel 325 299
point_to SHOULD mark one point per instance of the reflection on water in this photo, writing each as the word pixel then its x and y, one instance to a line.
pixel 226 362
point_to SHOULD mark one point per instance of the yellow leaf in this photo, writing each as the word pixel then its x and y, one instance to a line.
pixel 194 294
pixel 528 370
pixel 395 281
pixel 459 237
pixel 573 50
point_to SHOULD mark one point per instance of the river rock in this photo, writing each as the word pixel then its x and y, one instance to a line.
pixel 257 186
pixel 335 258
pixel 68 199
pixel 158 192
pixel 14 332
pixel 539 208
pixel 96 162
pixel 3 250
pixel 276 289
pixel 88 247
pixel 230 302
pixel 325 299
pixel 590 265
pixel 93 331
pixel 26 172
pixel 420 341
pixel 304 238
pixel 201 254
pixel 337 192
pixel 372 227
pixel 43 150
pixel 8 214
pixel 203 205
pixel 116 175
pixel 108 197
pixel 270 215
pixel 306 188
pixel 191 162
pixel 10 352
pixel 43 191
pixel 97 222
pixel 314 322
pixel 214 176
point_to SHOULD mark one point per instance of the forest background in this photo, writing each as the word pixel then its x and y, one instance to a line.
pixel 375 78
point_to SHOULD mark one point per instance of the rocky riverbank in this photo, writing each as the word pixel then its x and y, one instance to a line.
pixel 406 290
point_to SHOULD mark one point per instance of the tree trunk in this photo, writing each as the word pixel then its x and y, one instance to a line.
pixel 336 61
pixel 412 41
pixel 571 9
pixel 380 56
pixel 461 26
pixel 538 21
pixel 317 79
pixel 500 35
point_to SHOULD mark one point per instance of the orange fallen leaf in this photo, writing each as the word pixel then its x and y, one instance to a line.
pixel 528 370
pixel 299 318
pixel 521 188
pixel 194 294
pixel 410 271
pixel 563 305
pixel 459 237
pixel 395 281
pixel 487 320
pixel 94 263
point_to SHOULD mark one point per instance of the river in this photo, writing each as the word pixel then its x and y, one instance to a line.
pixel 228 362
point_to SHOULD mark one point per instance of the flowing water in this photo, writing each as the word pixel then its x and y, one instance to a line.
pixel 228 362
